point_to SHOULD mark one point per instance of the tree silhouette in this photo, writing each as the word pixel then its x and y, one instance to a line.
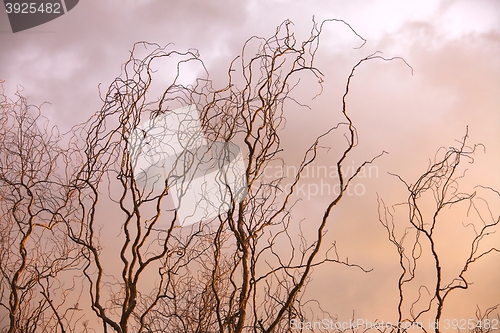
pixel 242 270
pixel 159 216
pixel 35 203
pixel 419 241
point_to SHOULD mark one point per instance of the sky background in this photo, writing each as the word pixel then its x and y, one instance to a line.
pixel 453 47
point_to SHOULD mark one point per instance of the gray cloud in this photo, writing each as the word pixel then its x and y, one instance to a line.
pixel 453 48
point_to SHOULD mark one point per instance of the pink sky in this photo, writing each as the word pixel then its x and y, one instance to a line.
pixel 453 47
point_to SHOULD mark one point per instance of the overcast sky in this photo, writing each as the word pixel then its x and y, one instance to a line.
pixel 452 45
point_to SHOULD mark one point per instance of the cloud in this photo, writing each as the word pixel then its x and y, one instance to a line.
pixel 453 47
